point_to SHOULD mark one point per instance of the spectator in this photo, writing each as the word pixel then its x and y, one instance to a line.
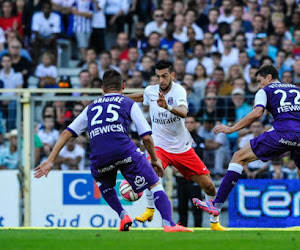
pixel 97 39
pixel 138 80
pixel 280 62
pixel 201 81
pixel 191 43
pixel 93 71
pixel 46 27
pixel 287 77
pixel 9 157
pixel 227 15
pixel 167 42
pixel 105 64
pixel 147 67
pixel 71 157
pixel 96 83
pixel 19 62
pixel 124 69
pixel 90 56
pixel 258 28
pixel 178 51
pixel 9 21
pixel 48 135
pixel 115 55
pixel 253 85
pixel 230 54
pixel 153 44
pixel 115 12
pixel 216 57
pixel 190 21
pixel 64 9
pixel 216 153
pixel 213 26
pixel 258 46
pixel 168 8
pixel 240 41
pixel 208 42
pixel 47 71
pixel 237 12
pixel 281 33
pixel 251 10
pixel 224 88
pixel 122 43
pixel 158 24
pixel 163 54
pixel 83 12
pixel 179 67
pixel 84 81
pixel 179 31
pixel 245 65
pixel 193 100
pixel 199 57
pixel 11 80
pixel 139 40
pixel 133 55
pixel 288 46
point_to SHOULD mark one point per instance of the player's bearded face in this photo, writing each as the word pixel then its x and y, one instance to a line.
pixel 165 87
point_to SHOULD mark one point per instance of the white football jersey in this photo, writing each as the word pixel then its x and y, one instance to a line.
pixel 169 131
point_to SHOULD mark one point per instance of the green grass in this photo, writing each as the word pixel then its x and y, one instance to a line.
pixel 101 239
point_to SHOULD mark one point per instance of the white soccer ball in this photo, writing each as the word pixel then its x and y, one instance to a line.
pixel 127 192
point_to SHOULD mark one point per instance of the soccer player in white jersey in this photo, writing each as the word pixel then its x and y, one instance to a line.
pixel 173 142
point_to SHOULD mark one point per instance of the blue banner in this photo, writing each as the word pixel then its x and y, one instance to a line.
pixel 265 203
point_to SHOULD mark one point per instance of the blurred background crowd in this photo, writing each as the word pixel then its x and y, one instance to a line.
pixel 216 47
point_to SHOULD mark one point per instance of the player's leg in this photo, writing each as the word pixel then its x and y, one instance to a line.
pixel 235 168
pixel 163 205
pixel 106 183
pixel 141 168
pixel 192 168
pixel 149 213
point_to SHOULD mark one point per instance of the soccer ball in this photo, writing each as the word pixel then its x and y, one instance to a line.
pixel 127 192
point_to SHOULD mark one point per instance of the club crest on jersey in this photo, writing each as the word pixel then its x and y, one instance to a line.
pixel 170 101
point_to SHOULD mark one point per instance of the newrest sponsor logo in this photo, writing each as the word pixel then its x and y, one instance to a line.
pixel 81 189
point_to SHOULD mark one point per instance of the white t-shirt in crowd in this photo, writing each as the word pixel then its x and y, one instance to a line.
pixel 11 81
pixel 2 36
pixel 78 151
pixel 46 27
pixel 169 131
pixel 43 71
pixel 48 138
pixel 99 21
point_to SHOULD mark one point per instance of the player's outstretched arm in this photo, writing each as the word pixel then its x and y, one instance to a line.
pixel 180 110
pixel 247 120
pixel 45 167
pixel 155 162
pixel 137 97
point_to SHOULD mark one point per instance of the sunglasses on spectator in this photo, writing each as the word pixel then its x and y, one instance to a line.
pixel 162 15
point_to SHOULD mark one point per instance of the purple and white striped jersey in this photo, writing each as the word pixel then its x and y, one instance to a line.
pixel 283 102
pixel 107 120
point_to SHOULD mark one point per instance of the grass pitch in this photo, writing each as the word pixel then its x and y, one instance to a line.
pixel 104 239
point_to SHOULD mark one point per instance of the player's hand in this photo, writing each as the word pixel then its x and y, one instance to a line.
pixel 161 101
pixel 158 168
pixel 222 129
pixel 43 169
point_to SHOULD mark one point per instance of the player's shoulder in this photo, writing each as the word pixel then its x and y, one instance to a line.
pixel 177 88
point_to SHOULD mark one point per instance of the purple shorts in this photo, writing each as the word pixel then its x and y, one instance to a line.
pixel 135 168
pixel 273 143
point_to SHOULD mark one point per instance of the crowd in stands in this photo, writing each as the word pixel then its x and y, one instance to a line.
pixel 216 47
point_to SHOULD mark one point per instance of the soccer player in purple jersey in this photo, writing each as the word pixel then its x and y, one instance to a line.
pixel 107 120
pixel 283 102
